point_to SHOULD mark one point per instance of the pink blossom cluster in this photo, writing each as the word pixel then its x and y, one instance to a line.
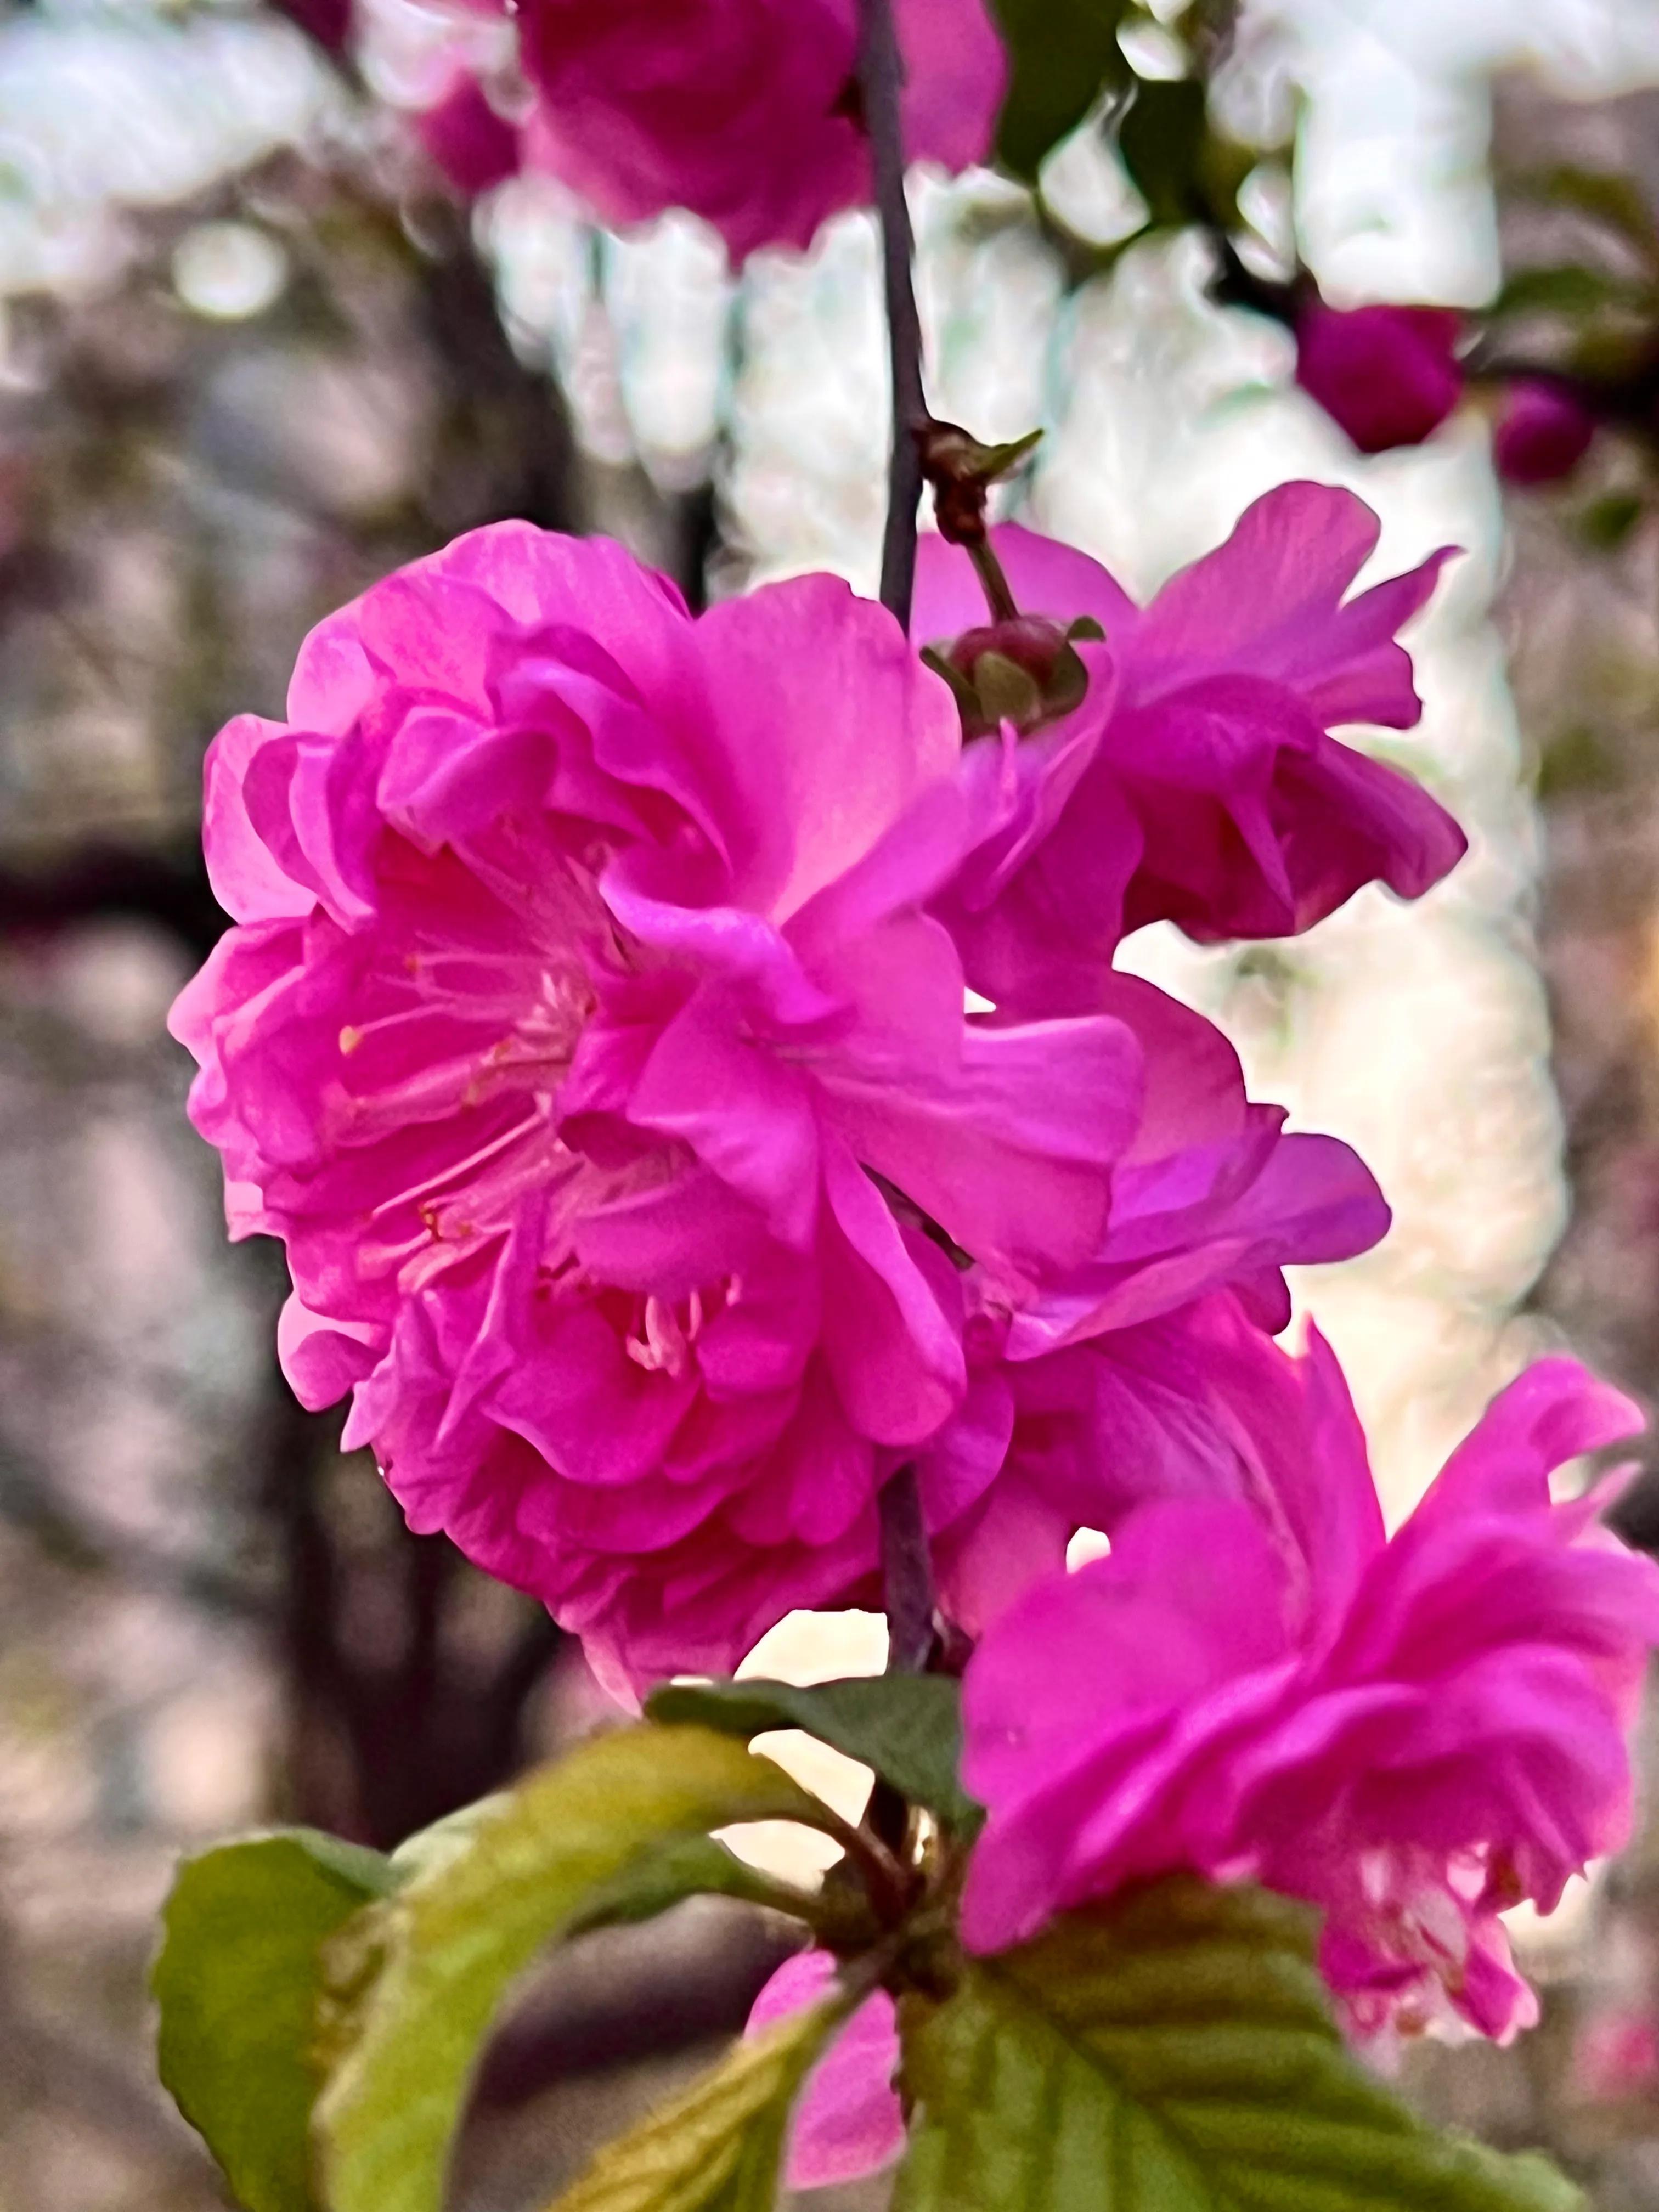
pixel 1411 1733
pixel 747 112
pixel 690 1075
pixel 1390 376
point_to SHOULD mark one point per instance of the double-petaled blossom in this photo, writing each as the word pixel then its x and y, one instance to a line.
pixel 1134 1376
pixel 582 1020
pixel 745 111
pixel 1413 1732
pixel 1388 375
pixel 1198 782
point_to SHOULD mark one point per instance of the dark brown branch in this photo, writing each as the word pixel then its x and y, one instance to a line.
pixel 906 1575
pixel 98 883
pixel 881 82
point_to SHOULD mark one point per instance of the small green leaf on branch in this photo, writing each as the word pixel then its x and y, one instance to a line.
pixel 717 2148
pixel 1175 2053
pixel 907 1727
pixel 237 1981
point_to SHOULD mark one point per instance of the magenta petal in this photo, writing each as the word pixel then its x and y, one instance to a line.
pixel 737 109
pixel 1388 375
pixel 1199 781
pixel 847 2122
pixel 1412 1734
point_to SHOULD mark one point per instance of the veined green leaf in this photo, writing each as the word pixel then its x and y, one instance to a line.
pixel 417 1982
pixel 908 1728
pixel 237 1980
pixel 1173 2055
pixel 717 2148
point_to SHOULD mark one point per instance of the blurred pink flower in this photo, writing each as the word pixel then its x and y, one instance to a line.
pixel 476 147
pixel 1197 782
pixel 1412 1734
pixel 745 111
pixel 1138 1375
pixel 1617 2054
pixel 847 2122
pixel 328 22
pixel 580 1005
pixel 1542 433
pixel 1388 375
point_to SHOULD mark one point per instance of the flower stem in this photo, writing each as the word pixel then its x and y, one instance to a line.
pixel 881 81
pixel 906 1575
pixel 907 1569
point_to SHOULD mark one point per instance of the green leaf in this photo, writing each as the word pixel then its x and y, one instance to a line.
pixel 1566 289
pixel 1162 137
pixel 1606 195
pixel 417 1982
pixel 694 1867
pixel 906 1727
pixel 1176 2054
pixel 1062 54
pixel 1607 522
pixel 237 1979
pixel 718 2148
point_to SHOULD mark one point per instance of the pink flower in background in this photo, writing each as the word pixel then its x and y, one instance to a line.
pixel 582 1008
pixel 1413 1734
pixel 328 22
pixel 1139 1374
pixel 745 111
pixel 1198 782
pixel 476 147
pixel 847 2122
pixel 1388 375
pixel 1617 2054
pixel 1542 434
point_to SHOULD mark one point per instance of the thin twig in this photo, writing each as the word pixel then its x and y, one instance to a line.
pixel 906 1575
pixel 907 1570
pixel 881 81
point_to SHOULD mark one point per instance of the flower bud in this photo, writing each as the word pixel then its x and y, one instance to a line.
pixel 1543 433
pixel 1388 375
pixel 1025 670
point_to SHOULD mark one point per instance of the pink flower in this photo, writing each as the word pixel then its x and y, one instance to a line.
pixel 328 22
pixel 476 147
pixel 744 111
pixel 580 1009
pixel 1413 1734
pixel 1542 434
pixel 847 2122
pixel 1198 782
pixel 1388 375
pixel 1138 1375
pixel 1617 2054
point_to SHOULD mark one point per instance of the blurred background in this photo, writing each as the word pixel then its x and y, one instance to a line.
pixel 270 325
